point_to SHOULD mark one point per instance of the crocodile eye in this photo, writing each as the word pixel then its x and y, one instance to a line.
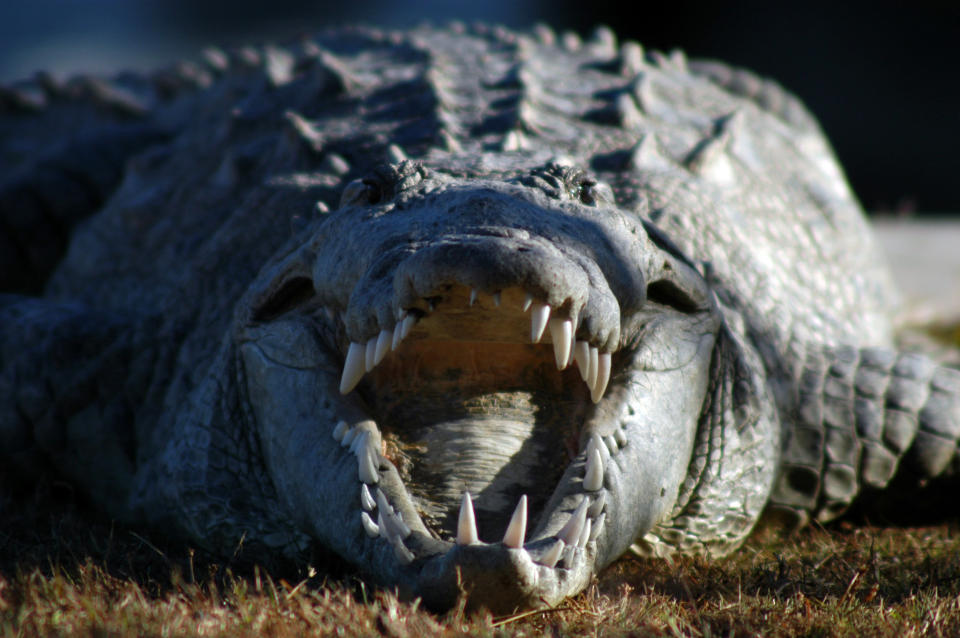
pixel 593 193
pixel 359 192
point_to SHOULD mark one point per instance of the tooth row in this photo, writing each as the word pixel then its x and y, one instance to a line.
pixel 594 365
pixel 364 357
pixel 583 526
pixel 364 441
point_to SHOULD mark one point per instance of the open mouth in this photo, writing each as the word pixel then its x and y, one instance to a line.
pixel 477 404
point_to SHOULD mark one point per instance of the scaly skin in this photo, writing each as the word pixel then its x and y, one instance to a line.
pixel 626 298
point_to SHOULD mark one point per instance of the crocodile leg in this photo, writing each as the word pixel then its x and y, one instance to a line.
pixel 862 416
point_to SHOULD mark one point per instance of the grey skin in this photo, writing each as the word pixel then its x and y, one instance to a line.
pixel 474 310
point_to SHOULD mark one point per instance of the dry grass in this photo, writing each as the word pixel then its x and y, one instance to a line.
pixel 63 571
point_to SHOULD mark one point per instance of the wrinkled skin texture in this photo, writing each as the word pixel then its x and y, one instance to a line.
pixel 615 297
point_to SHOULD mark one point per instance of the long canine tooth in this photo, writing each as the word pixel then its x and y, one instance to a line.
pixel 596 443
pixel 553 554
pixel 366 500
pixel 581 354
pixel 383 346
pixel 528 300
pixel 371 528
pixel 496 300
pixel 603 377
pixel 370 354
pixel 592 369
pixel 538 321
pixel 407 325
pixel 353 367
pixel 593 475
pixel 367 467
pixel 403 555
pixel 340 430
pixel 517 529
pixel 467 523
pixel 397 336
pixel 585 534
pixel 571 531
pixel 560 332
pixel 473 296
pixel 573 343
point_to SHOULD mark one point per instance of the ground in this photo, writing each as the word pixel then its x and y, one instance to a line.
pixel 63 570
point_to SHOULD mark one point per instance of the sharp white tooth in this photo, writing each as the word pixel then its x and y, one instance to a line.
pixel 592 369
pixel 382 526
pixel 593 474
pixel 496 299
pixel 603 377
pixel 611 444
pixel 517 529
pixel 553 554
pixel 367 467
pixel 359 441
pixel 382 504
pixel 407 325
pixel 597 527
pixel 538 321
pixel 340 430
pixel 383 346
pixel 620 437
pixel 388 520
pixel 467 523
pixel 473 296
pixel 366 500
pixel 596 443
pixel 573 343
pixel 370 354
pixel 560 332
pixel 597 506
pixel 571 531
pixel 403 555
pixel 348 438
pixel 585 534
pixel 397 336
pixel 527 302
pixel 581 354
pixel 372 529
pixel 353 367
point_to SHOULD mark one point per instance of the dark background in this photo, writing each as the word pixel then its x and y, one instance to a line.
pixel 883 77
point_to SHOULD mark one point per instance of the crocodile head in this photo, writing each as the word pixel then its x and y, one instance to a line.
pixel 489 386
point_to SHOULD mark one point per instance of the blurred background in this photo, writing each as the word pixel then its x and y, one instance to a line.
pixel 883 77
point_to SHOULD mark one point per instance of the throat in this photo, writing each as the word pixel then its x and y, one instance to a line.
pixel 497 446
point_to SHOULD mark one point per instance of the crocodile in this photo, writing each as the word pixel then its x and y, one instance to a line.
pixel 393 294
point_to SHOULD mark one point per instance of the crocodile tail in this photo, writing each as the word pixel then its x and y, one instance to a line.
pixel 861 417
pixel 69 395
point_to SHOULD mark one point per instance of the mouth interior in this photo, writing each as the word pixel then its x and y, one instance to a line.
pixel 468 403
